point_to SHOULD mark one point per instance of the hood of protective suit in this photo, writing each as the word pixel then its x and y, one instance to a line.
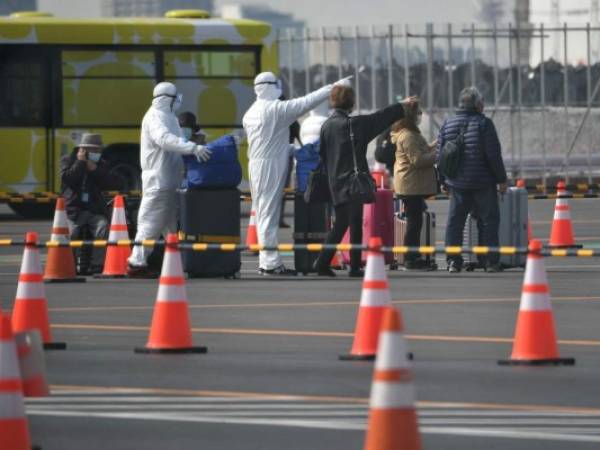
pixel 163 103
pixel 265 91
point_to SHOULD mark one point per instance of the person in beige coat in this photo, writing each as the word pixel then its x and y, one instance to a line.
pixel 414 179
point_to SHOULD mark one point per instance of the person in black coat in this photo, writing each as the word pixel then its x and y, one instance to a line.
pixel 84 175
pixel 336 154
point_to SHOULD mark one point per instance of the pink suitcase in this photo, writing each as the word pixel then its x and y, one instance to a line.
pixel 378 220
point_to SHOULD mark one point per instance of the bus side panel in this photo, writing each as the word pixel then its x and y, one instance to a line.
pixel 23 168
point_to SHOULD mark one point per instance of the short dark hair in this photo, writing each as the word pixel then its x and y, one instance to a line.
pixel 342 97
pixel 188 119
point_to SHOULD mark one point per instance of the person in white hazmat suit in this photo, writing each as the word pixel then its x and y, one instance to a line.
pixel 162 145
pixel 310 128
pixel 267 126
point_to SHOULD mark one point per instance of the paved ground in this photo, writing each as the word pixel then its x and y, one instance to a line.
pixel 272 379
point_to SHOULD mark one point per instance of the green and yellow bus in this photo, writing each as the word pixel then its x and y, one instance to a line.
pixel 60 78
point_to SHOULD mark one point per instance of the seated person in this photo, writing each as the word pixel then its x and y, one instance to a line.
pixel 84 175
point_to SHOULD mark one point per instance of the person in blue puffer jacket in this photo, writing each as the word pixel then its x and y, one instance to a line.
pixel 480 177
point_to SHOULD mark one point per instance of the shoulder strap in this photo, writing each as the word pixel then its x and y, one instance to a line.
pixel 353 147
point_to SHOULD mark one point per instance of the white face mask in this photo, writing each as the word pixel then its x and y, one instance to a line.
pixel 187 133
pixel 94 157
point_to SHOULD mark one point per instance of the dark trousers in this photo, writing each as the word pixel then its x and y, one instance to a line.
pixel 88 225
pixel 414 207
pixel 347 215
pixel 482 202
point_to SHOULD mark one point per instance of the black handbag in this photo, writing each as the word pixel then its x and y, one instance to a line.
pixel 360 185
pixel 317 188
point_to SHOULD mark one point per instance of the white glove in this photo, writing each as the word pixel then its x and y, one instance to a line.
pixel 238 135
pixel 202 153
pixel 344 82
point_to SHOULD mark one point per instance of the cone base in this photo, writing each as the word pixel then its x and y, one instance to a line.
pixel 55 346
pixel 101 276
pixel 537 362
pixel 147 350
pixel 351 357
pixel 410 356
pixel 65 280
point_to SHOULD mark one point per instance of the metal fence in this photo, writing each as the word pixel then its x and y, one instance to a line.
pixel 540 83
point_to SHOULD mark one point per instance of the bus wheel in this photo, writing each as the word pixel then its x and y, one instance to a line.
pixel 33 211
pixel 129 173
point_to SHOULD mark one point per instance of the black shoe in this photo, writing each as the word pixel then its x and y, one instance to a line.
pixel 493 268
pixel 278 271
pixel 284 224
pixel 326 273
pixel 454 267
pixel 356 273
pixel 144 272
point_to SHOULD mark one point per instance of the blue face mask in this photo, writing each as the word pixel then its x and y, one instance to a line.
pixel 187 133
pixel 94 157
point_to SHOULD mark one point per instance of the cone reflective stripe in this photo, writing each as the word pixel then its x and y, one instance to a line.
pixel 535 340
pixel 14 431
pixel 170 331
pixel 392 423
pixel 252 234
pixel 115 263
pixel 60 263
pixel 562 234
pixel 30 311
pixel 374 299
pixel 31 364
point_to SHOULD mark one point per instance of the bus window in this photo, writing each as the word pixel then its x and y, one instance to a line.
pixel 106 88
pixel 22 90
pixel 206 64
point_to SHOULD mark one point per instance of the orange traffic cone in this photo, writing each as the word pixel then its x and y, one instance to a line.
pixel 562 229
pixel 252 234
pixel 170 331
pixel 30 311
pixel 374 299
pixel 337 262
pixel 31 364
pixel 393 423
pixel 115 263
pixel 535 337
pixel 14 430
pixel 60 263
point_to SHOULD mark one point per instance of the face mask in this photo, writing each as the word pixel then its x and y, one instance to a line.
pixel 418 121
pixel 187 133
pixel 94 157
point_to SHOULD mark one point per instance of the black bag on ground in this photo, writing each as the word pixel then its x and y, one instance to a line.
pixel 210 216
pixel 452 154
pixel 311 225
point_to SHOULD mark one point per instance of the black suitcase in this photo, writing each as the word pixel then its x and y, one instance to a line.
pixel 210 216
pixel 311 225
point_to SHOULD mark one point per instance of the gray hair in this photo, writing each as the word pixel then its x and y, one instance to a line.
pixel 470 98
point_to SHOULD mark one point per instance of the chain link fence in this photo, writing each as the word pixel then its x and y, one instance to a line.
pixel 540 83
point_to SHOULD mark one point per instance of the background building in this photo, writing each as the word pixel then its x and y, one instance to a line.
pixel 9 6
pixel 150 8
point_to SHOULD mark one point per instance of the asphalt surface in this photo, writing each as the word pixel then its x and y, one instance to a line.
pixel 272 379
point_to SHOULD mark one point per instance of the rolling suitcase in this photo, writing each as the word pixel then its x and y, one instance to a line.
pixel 210 216
pixel 378 220
pixel 311 225
pixel 427 236
pixel 512 230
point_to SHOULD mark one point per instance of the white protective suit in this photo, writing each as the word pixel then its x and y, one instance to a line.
pixel 267 126
pixel 162 146
pixel 310 129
